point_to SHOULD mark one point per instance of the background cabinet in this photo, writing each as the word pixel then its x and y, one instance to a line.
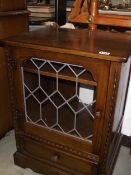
pixel 13 20
pixel 56 131
pixel 7 5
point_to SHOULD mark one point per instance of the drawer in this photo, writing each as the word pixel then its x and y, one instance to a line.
pixel 58 158
pixel 8 5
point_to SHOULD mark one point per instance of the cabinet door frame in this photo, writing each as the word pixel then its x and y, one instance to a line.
pixel 99 68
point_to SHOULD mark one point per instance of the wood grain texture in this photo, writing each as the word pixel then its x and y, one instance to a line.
pixel 85 43
pixel 8 22
pixel 12 13
pixel 7 5
pixel 11 23
pixel 60 45
pixel 6 118
pixel 95 18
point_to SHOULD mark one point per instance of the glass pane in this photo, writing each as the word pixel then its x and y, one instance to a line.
pixel 60 96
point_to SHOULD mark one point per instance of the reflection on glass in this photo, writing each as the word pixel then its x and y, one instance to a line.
pixel 53 96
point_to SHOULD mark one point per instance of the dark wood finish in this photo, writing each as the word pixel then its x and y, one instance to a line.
pixel 12 13
pixel 6 118
pixel 7 5
pixel 11 23
pixel 40 148
pixel 64 76
pixel 118 51
pixel 8 22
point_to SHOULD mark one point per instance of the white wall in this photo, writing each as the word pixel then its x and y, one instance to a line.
pixel 126 129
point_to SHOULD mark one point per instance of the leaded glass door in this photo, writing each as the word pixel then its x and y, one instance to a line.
pixel 60 96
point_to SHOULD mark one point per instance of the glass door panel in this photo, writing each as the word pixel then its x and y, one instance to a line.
pixel 59 96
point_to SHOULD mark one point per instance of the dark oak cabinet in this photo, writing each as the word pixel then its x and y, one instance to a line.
pixel 13 20
pixel 7 5
pixel 58 131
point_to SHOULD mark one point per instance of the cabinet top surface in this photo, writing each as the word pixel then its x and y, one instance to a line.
pixel 97 44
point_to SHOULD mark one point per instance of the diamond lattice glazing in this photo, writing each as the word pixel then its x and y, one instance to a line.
pixel 51 96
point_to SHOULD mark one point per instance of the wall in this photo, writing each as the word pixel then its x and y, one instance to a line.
pixel 126 129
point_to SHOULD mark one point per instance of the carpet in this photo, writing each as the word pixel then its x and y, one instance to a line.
pixel 7 166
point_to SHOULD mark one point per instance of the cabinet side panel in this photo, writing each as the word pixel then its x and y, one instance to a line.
pixel 118 116
pixel 8 5
pixel 113 84
pixel 7 24
pixel 6 119
pixel 114 115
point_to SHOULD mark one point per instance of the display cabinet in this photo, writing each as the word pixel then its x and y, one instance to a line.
pixel 13 20
pixel 70 90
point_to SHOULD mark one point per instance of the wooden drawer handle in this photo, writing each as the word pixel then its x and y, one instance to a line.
pixel 55 158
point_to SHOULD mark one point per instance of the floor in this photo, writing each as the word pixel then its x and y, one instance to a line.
pixel 7 167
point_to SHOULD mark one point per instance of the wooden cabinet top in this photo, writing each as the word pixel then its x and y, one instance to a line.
pixel 97 44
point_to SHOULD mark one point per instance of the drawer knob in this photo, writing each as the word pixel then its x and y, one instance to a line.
pixel 55 158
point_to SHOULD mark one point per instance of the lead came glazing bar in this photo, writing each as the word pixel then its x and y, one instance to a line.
pixel 53 107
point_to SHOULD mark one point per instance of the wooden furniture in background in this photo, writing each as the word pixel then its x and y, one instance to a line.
pixel 7 5
pixel 13 20
pixel 56 131
pixel 94 18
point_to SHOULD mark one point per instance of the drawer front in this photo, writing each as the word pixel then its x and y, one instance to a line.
pixel 58 158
